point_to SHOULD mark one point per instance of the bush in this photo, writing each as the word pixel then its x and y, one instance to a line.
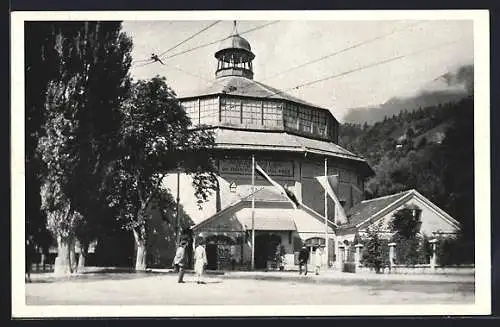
pixel 376 251
pixel 454 251
pixel 412 251
pixel 349 267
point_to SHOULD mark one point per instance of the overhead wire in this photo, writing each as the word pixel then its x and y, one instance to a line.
pixel 354 46
pixel 201 46
pixel 378 63
pixel 357 45
pixel 179 44
pixel 315 60
pixel 150 61
pixel 189 38
pixel 220 40
pixel 374 64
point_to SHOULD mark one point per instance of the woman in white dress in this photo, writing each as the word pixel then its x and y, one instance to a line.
pixel 318 258
pixel 200 260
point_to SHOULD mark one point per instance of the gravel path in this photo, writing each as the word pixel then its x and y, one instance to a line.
pixel 162 289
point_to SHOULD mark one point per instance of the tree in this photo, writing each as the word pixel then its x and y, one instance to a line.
pixel 41 66
pixel 406 226
pixel 55 149
pixel 82 113
pixel 156 139
pixel 105 58
pixel 375 254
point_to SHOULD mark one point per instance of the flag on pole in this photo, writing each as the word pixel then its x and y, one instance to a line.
pixel 287 193
pixel 329 183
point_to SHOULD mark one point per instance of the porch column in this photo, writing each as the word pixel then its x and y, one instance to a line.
pixel 357 255
pixel 341 256
pixel 433 243
pixel 392 246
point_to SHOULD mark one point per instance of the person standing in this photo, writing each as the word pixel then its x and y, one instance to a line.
pixel 317 259
pixel 29 258
pixel 233 257
pixel 180 260
pixel 303 258
pixel 200 261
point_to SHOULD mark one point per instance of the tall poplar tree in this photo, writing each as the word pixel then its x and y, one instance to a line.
pixel 83 117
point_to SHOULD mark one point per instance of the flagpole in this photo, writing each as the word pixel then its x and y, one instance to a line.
pixel 326 214
pixel 177 228
pixel 253 212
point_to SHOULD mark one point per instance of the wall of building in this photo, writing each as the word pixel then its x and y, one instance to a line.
pixel 348 189
pixel 431 220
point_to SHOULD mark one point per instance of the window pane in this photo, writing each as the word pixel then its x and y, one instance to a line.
pixel 292 116
pixel 191 108
pixel 231 111
pixel 252 112
pixel 305 122
pixel 272 114
pixel 209 111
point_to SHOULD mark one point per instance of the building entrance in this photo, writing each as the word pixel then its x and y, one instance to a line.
pixel 218 249
pixel 265 249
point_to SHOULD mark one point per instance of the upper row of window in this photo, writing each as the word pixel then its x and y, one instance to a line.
pixel 252 113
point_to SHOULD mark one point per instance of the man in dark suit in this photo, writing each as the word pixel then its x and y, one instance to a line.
pixel 303 259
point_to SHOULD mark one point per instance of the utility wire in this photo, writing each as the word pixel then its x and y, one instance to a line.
pixel 378 63
pixel 150 61
pixel 373 65
pixel 189 38
pixel 357 45
pixel 206 44
pixel 220 40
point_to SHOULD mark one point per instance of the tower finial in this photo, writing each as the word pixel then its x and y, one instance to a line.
pixel 235 29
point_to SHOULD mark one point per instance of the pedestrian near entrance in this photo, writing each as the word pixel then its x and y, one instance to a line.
pixel 317 259
pixel 303 258
pixel 30 257
pixel 180 260
pixel 200 261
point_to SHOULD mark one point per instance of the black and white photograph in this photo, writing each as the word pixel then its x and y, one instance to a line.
pixel 272 163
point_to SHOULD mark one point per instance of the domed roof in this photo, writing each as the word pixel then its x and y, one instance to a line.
pixel 234 41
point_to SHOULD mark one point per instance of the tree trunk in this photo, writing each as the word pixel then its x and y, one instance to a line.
pixel 141 251
pixel 84 247
pixel 62 265
pixel 72 256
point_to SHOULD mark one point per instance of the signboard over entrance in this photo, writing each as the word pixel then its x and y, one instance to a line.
pixel 244 167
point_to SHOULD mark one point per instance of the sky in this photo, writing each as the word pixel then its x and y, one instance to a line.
pixel 435 47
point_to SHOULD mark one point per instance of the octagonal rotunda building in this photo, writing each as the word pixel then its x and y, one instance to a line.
pixel 292 141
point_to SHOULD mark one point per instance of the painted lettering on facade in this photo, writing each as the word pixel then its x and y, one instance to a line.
pixel 244 167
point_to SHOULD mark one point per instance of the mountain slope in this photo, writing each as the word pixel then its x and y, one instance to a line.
pixel 449 87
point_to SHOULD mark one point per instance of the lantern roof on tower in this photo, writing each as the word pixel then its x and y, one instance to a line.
pixel 235 43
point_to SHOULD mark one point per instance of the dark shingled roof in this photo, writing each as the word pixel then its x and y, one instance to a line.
pixel 237 85
pixel 366 209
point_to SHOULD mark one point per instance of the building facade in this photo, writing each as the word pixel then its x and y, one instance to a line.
pixel 293 141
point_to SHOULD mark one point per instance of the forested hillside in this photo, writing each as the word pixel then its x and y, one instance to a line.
pixel 430 149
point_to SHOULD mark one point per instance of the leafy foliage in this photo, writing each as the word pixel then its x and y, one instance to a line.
pixel 454 251
pixel 84 83
pixel 375 250
pixel 406 222
pixel 411 247
pixel 156 139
